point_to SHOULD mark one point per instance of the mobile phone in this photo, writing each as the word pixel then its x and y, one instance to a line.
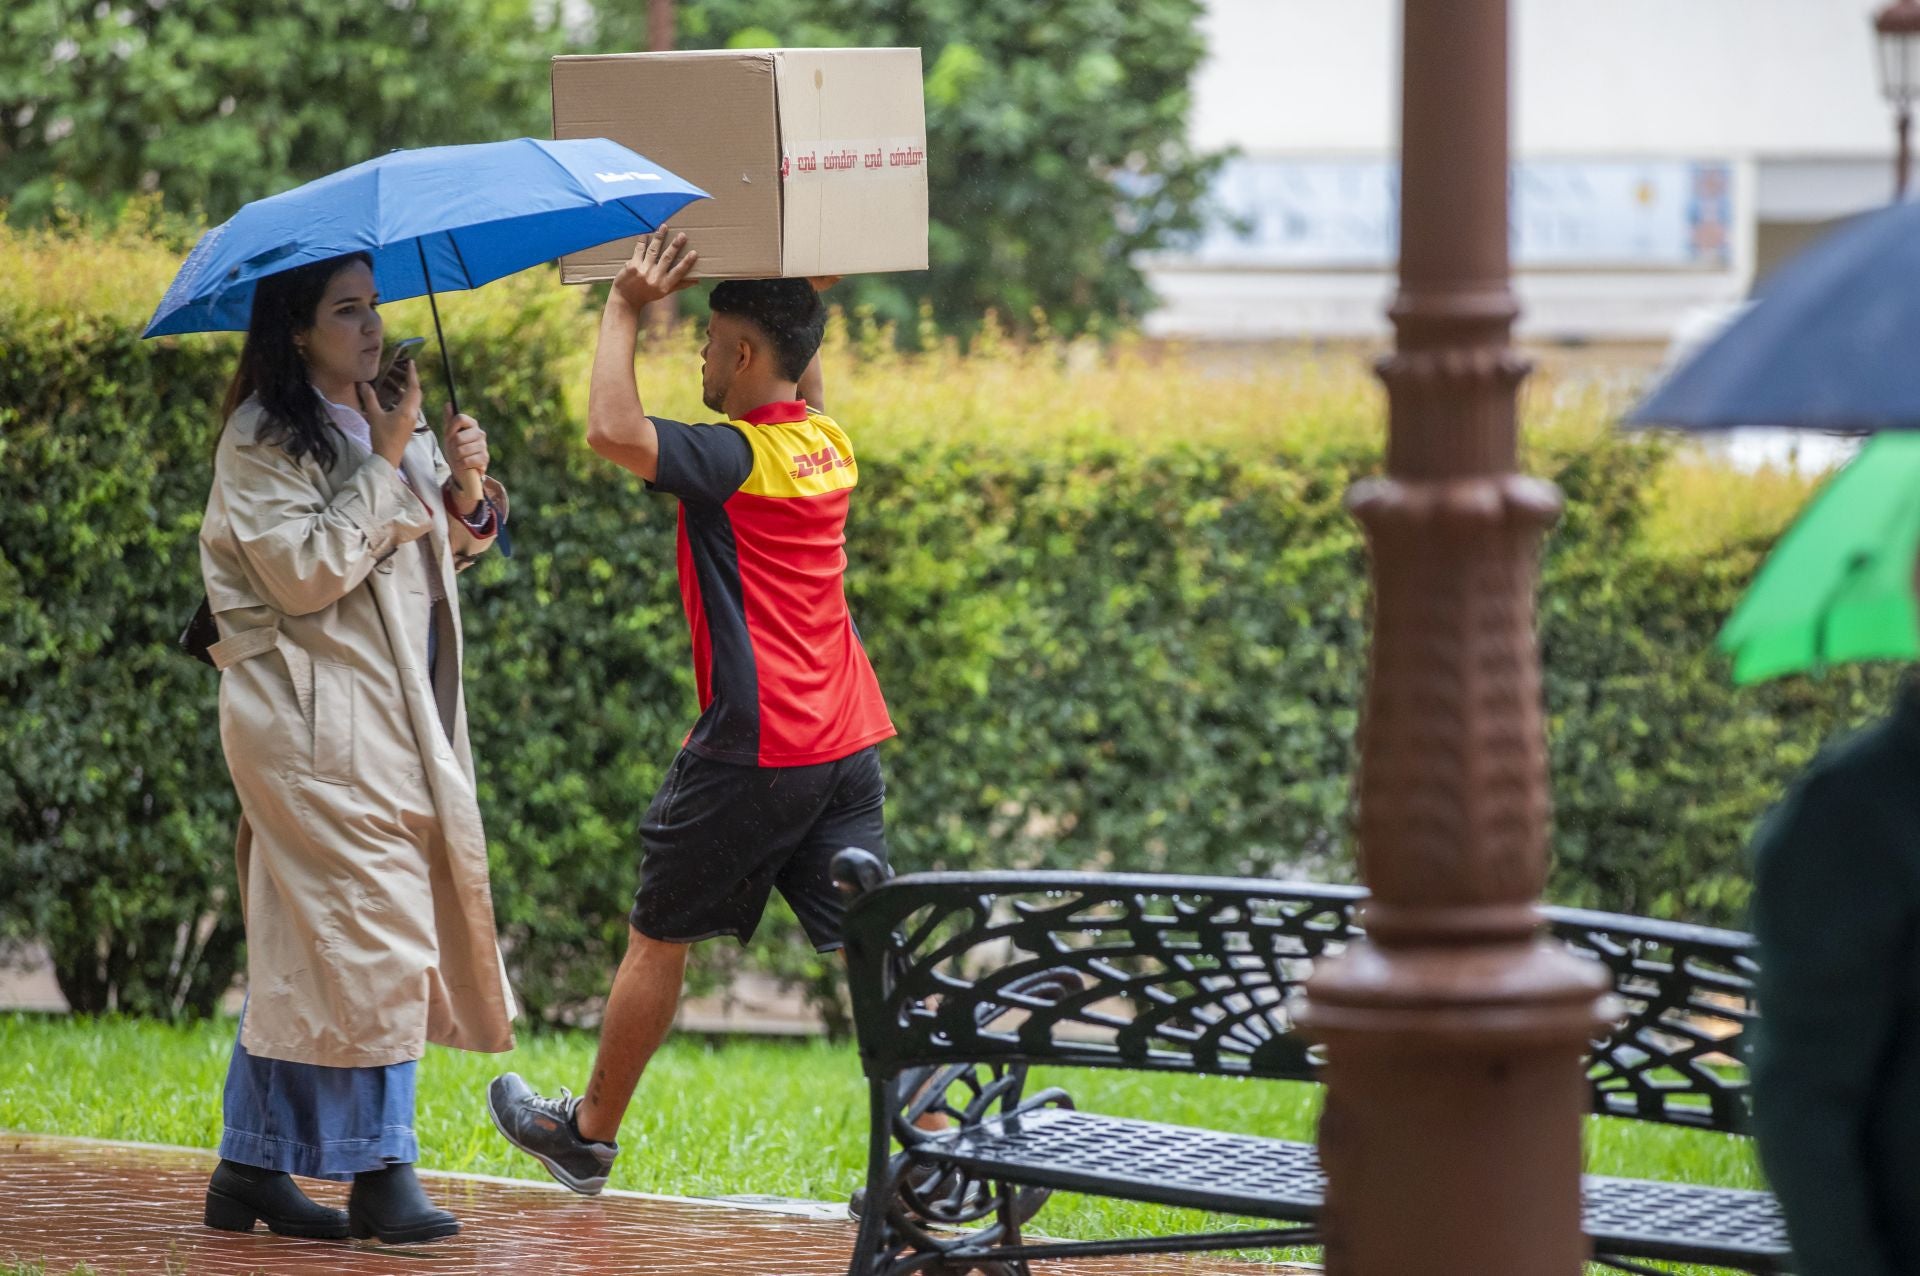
pixel 387 387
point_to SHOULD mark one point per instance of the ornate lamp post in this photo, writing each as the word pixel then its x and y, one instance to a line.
pixel 1451 1137
pixel 1897 29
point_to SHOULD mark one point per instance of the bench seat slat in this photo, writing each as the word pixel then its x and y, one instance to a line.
pixel 1274 1178
pixel 1643 1218
pixel 1142 1160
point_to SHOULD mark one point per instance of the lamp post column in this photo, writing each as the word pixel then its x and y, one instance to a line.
pixel 1454 1032
pixel 1903 154
pixel 1896 30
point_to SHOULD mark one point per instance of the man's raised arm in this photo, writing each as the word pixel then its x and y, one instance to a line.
pixel 617 423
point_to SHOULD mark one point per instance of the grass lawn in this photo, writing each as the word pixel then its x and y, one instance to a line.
pixel 787 1119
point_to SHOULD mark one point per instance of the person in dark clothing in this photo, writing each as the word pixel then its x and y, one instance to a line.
pixel 1836 1066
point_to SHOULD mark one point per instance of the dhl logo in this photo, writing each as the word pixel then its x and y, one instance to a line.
pixel 825 461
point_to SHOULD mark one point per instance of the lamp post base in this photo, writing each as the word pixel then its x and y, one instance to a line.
pixel 1448 1069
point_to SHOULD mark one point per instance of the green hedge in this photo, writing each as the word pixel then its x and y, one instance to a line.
pixel 1101 650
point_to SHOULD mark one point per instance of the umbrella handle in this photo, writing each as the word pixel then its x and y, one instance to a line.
pixel 470 485
pixel 469 479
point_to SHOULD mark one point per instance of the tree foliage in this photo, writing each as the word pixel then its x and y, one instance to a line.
pixel 215 102
pixel 1057 132
pixel 1057 141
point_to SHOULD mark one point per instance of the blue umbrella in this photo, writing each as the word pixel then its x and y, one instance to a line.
pixel 1831 342
pixel 444 217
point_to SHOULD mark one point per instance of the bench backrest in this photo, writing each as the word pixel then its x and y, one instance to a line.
pixel 1679 1054
pixel 1192 974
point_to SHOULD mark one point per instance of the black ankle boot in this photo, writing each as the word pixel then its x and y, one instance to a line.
pixel 239 1194
pixel 390 1206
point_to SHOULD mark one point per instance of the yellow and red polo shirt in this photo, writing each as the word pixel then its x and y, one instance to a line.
pixel 782 676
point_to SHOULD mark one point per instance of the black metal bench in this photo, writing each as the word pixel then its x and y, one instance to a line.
pixel 961 981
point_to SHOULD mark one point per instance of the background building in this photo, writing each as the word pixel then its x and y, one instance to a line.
pixel 1667 153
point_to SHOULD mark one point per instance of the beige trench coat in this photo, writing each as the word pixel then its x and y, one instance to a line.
pixel 363 865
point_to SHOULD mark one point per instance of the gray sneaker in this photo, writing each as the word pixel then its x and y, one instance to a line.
pixel 543 1128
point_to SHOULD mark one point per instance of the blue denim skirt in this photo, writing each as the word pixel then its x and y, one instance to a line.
pixel 322 1123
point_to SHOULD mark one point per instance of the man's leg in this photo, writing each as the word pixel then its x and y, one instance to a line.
pixel 640 1009
pixel 714 836
pixel 574 1137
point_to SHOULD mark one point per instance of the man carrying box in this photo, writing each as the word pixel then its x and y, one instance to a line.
pixel 780 771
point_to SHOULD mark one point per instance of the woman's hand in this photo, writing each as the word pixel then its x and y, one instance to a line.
pixel 391 429
pixel 465 445
pixel 657 269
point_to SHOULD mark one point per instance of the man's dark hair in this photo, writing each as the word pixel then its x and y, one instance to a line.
pixel 788 311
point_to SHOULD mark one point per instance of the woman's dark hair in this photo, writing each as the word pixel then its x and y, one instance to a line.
pixel 789 311
pixel 272 367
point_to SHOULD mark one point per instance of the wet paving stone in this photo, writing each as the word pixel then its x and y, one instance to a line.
pixel 126 1208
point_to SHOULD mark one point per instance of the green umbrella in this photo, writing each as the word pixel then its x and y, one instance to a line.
pixel 1840 584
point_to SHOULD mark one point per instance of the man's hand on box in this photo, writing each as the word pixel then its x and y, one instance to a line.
pixel 658 268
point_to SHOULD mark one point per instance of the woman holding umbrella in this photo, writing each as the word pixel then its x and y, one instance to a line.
pixel 332 535
pixel 331 539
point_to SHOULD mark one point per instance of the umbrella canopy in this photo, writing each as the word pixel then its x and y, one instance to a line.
pixel 1840 584
pixel 444 217
pixel 1831 342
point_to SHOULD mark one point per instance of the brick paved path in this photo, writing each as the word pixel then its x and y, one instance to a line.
pixel 124 1208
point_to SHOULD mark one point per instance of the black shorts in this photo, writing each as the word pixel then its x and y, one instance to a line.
pixel 719 837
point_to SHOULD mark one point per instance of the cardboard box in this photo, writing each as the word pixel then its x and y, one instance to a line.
pixel 816 159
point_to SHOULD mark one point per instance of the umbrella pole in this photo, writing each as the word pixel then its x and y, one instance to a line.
pixel 446 364
pixel 470 484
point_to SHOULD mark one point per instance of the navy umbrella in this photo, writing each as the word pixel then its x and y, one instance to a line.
pixel 1830 342
pixel 443 217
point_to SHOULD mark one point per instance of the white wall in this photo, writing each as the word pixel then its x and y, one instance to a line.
pixel 1739 77
pixel 1593 77
pixel 1264 305
pixel 1786 90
